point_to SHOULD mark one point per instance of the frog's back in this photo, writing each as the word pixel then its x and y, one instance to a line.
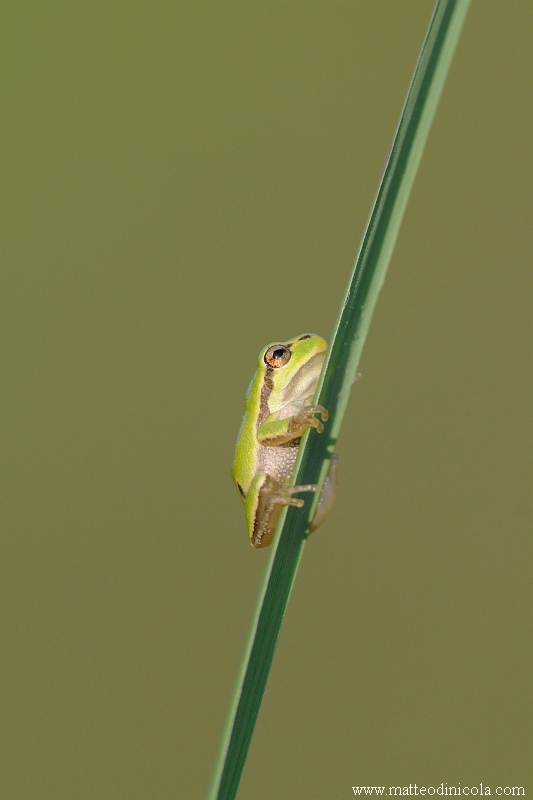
pixel 252 457
pixel 245 458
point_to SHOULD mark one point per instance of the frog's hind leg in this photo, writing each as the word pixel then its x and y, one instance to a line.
pixel 264 500
pixel 327 495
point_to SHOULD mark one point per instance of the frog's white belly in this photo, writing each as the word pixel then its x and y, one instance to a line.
pixel 278 461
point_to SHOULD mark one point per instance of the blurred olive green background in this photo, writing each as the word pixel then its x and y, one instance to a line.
pixel 183 183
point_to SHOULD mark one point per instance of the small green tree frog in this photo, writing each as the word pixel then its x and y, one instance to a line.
pixel 278 411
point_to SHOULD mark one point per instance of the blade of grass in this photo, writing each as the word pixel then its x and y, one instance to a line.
pixel 334 387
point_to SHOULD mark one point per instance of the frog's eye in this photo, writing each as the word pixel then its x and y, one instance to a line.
pixel 277 355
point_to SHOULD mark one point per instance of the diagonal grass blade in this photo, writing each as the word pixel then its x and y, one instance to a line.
pixel 337 378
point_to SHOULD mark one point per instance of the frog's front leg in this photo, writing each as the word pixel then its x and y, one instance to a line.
pixel 263 503
pixel 274 431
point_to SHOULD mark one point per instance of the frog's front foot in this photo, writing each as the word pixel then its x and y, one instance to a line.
pixel 305 418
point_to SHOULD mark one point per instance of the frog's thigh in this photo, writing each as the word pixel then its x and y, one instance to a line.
pixel 262 512
pixel 327 495
pixel 264 501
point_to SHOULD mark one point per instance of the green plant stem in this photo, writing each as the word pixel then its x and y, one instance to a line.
pixel 334 387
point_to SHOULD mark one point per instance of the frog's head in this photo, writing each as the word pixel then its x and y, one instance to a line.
pixel 291 370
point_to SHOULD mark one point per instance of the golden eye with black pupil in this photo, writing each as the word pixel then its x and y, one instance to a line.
pixel 277 356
